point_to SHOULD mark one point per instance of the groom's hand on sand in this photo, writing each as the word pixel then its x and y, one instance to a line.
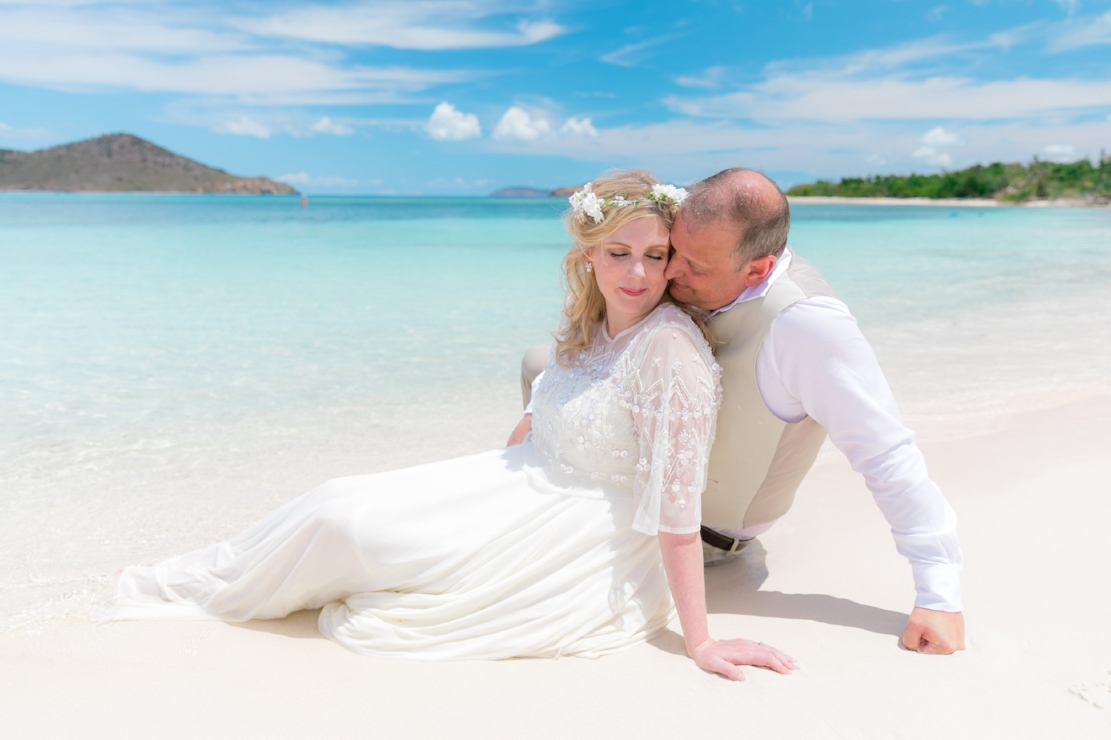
pixel 933 632
pixel 726 657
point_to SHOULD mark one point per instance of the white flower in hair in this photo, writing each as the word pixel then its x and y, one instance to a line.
pixel 585 203
pixel 665 193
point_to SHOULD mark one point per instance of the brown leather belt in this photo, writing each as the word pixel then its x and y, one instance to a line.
pixel 724 542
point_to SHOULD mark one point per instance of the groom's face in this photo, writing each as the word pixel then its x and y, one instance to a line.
pixel 703 269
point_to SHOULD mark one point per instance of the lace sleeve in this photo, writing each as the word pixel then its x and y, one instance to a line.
pixel 676 394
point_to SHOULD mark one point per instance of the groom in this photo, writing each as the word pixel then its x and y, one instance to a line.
pixel 794 368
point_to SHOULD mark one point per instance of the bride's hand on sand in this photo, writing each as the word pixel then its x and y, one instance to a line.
pixel 726 657
pixel 934 632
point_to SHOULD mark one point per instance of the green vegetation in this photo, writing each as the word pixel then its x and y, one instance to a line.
pixel 1009 182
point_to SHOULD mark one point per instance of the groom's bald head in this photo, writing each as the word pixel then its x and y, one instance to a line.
pixel 727 236
pixel 748 203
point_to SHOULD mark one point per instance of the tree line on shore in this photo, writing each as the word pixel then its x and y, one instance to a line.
pixel 1012 182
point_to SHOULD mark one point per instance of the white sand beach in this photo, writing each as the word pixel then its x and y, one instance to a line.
pixel 825 585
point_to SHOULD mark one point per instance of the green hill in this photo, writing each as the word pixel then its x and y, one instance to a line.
pixel 1015 183
pixel 121 163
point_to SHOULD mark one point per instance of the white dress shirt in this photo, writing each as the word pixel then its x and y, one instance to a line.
pixel 815 362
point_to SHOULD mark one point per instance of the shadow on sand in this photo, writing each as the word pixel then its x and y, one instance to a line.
pixel 734 588
pixel 301 625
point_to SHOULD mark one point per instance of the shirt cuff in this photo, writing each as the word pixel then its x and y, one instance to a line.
pixel 938 586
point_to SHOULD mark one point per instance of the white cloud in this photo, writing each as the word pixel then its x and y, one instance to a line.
pixel 520 125
pixel 902 82
pixel 808 11
pixel 304 179
pixel 578 127
pixel 412 24
pixel 1079 32
pixel 685 149
pixel 11 132
pixel 448 124
pixel 170 26
pixel 215 114
pixel 327 126
pixel 176 47
pixel 517 123
pixel 710 79
pixel 936 13
pixel 264 79
pixel 295 178
pixel 931 156
pixel 245 126
pixel 1069 6
pixel 888 58
pixel 940 137
pixel 1061 153
pixel 834 98
pixel 897 83
pixel 165 30
pixel 458 183
pixel 631 54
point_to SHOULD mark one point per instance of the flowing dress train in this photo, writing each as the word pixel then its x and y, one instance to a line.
pixel 540 550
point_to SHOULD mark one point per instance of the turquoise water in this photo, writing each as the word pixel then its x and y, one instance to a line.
pixel 122 310
pixel 151 309
pixel 172 367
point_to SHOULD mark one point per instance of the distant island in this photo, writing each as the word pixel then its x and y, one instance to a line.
pixel 1007 183
pixel 522 192
pixel 122 163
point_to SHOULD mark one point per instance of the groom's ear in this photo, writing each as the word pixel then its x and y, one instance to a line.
pixel 759 269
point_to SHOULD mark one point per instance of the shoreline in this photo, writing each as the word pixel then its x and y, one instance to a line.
pixel 946 202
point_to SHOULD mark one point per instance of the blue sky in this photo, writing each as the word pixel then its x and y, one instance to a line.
pixel 466 97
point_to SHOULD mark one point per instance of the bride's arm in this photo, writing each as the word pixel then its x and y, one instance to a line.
pixel 674 399
pixel 524 426
pixel 682 556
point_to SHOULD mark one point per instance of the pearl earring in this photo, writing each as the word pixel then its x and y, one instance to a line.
pixel 589 267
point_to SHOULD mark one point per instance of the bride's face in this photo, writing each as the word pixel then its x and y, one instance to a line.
pixel 629 267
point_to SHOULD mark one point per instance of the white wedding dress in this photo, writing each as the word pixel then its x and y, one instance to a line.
pixel 539 550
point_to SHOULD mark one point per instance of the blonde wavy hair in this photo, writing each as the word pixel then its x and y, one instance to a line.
pixel 585 308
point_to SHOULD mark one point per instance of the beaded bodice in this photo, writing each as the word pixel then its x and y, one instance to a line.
pixel 635 411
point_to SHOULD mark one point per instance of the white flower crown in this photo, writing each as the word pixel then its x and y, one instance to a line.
pixel 587 203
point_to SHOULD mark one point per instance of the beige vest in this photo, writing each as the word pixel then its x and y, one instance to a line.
pixel 758 461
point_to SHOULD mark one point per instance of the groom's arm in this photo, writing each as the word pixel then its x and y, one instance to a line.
pixel 532 368
pixel 517 436
pixel 816 362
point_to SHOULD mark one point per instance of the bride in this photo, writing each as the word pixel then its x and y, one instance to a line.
pixel 582 540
